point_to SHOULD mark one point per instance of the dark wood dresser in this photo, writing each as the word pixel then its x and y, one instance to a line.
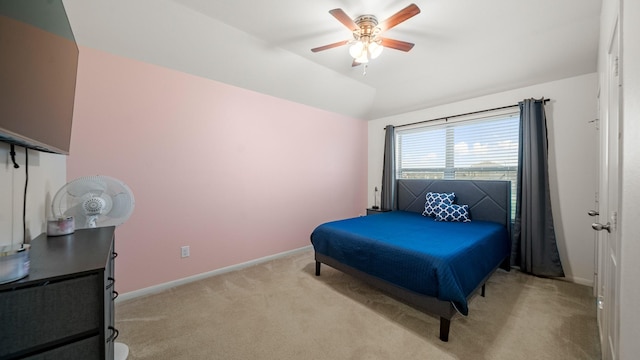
pixel 64 308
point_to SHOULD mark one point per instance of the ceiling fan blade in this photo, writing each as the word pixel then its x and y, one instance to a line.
pixel 402 15
pixel 344 19
pixel 330 46
pixel 397 44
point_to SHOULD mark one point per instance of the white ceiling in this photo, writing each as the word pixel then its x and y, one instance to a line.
pixel 464 48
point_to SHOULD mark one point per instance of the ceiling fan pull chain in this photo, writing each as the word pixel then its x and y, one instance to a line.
pixel 364 69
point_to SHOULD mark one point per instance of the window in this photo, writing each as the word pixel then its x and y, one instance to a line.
pixel 481 148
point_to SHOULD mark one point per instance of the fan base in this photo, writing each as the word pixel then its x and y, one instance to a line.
pixel 121 351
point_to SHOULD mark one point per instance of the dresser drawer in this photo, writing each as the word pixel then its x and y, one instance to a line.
pixel 53 313
pixel 86 349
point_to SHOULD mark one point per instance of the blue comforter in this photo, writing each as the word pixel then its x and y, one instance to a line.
pixel 446 260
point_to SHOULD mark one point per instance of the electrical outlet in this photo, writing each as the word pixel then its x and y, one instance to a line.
pixel 184 251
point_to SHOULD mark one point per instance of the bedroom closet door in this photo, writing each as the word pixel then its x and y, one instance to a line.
pixel 608 248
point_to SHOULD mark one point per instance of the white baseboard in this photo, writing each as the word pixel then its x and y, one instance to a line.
pixel 578 280
pixel 572 279
pixel 164 286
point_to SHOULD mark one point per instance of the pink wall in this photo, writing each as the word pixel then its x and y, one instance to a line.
pixel 234 174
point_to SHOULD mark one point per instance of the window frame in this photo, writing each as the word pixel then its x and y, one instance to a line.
pixel 449 170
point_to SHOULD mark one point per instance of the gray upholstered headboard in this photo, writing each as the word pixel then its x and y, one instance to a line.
pixel 488 200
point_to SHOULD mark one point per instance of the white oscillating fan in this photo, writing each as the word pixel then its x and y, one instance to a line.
pixel 94 201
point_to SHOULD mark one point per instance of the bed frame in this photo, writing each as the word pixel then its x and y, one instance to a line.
pixel 488 200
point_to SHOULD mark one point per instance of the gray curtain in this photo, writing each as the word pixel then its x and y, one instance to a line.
pixel 388 194
pixel 534 243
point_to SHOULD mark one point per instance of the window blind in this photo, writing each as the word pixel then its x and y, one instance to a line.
pixel 480 148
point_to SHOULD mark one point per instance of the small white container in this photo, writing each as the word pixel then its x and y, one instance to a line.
pixel 14 262
pixel 62 226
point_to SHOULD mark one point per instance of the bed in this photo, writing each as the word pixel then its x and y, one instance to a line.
pixel 435 266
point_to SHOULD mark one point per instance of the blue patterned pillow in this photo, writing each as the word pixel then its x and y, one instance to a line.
pixel 453 212
pixel 434 199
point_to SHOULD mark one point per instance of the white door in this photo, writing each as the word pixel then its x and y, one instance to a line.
pixel 607 278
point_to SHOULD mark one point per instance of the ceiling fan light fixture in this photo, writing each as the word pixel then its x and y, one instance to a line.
pixel 363 59
pixel 375 49
pixel 356 49
pixel 363 50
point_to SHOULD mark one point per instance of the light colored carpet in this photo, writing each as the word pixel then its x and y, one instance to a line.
pixel 281 310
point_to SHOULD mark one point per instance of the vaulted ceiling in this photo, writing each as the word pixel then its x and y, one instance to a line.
pixel 463 48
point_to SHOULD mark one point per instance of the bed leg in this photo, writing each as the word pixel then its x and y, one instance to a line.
pixel 318 268
pixel 506 264
pixel 444 329
pixel 483 288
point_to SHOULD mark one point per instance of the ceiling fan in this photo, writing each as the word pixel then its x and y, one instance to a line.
pixel 367 41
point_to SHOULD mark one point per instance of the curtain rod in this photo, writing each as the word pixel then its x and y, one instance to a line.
pixel 465 114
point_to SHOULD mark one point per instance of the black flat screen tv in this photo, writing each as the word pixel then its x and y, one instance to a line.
pixel 38 69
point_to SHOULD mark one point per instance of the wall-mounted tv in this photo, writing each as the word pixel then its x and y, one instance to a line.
pixel 38 67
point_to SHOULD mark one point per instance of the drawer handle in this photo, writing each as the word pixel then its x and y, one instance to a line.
pixel 114 334
pixel 113 281
pixel 115 295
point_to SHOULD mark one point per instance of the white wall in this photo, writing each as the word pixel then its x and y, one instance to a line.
pixel 47 173
pixel 572 158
